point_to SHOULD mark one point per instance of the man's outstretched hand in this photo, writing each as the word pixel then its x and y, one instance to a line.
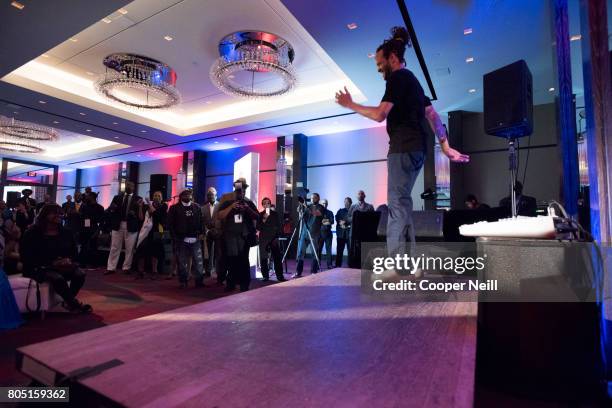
pixel 344 98
pixel 456 156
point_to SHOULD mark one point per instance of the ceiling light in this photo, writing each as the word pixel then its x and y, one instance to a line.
pixel 17 5
pixel 82 114
pixel 254 52
pixel 122 11
pixel 107 20
pixel 116 137
pixel 469 59
pixel 139 155
pixel 45 56
pixel 74 40
pixel 138 82
pixel 55 122
pixel 115 123
pixel 467 31
pixel 43 102
pixel 575 37
pixel 472 90
pixel 16 113
pixel 235 139
pixel 88 130
pixel 24 137
pixel 216 142
pixel 208 102
pixel 143 131
pixel 351 26
pixel 551 89
pixel 167 38
pixel 89 73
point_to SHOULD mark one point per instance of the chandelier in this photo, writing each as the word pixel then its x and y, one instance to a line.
pixel 24 137
pixel 138 82
pixel 254 64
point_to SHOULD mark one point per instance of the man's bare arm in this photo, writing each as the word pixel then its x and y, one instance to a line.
pixel 377 113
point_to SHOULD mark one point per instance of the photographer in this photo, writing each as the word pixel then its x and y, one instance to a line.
pixel 312 220
pixel 48 252
pixel 269 229
pixel 327 235
pixel 238 215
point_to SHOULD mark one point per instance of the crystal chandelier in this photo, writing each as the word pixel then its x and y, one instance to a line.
pixel 24 137
pixel 254 64
pixel 138 82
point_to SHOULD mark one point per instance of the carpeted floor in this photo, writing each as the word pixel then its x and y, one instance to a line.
pixel 114 298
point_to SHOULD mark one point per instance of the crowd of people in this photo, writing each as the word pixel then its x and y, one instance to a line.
pixel 58 244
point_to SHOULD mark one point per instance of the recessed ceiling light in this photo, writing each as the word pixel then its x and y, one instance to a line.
pixel 469 59
pixel 16 113
pixel 216 142
pixel 107 20
pixel 139 155
pixel 122 11
pixel 116 137
pixel 575 37
pixel 17 5
pixel 551 89
pixel 151 154
pixel 43 102
pixel 45 56
pixel 143 131
pixel 472 90
pixel 235 139
pixel 115 123
pixel 82 113
pixel 55 122
pixel 74 40
pixel 167 38
pixel 88 130
pixel 351 26
pixel 467 31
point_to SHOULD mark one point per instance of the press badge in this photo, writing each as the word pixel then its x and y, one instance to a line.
pixel 237 218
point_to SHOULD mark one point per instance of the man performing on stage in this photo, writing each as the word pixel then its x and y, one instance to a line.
pixel 405 106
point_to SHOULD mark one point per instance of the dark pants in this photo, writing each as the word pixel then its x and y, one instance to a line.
pixel 327 241
pixel 276 258
pixel 341 243
pixel 303 243
pixel 89 246
pixel 193 251
pixel 59 281
pixel 239 270
pixel 214 247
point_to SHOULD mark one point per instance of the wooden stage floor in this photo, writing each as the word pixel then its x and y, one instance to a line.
pixel 309 342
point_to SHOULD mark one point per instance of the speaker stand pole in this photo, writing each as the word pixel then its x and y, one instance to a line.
pixel 512 167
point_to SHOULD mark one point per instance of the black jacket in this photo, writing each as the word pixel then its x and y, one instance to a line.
pixel 114 210
pixel 185 221
pixel 268 230
pixel 39 251
pixel 343 233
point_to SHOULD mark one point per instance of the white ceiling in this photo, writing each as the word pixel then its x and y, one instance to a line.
pixel 67 71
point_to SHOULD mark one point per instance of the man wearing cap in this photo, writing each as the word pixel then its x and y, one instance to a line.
pixel 125 216
pixel 239 215
pixel 185 225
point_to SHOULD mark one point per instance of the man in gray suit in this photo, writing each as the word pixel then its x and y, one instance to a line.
pixel 213 242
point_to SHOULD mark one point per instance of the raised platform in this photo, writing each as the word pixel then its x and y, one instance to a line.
pixel 313 341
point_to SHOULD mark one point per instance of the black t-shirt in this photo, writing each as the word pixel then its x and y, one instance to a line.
pixel 406 119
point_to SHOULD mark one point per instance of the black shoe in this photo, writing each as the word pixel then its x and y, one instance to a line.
pixel 108 272
pixel 127 272
pixel 265 279
pixel 183 285
pixel 281 279
pixel 300 267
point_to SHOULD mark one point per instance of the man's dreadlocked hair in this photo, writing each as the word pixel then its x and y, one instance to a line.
pixel 396 44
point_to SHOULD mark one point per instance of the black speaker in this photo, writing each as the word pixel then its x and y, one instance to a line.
pixel 12 198
pixel 161 182
pixel 508 101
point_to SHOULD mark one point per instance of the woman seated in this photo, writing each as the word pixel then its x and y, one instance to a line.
pixel 48 252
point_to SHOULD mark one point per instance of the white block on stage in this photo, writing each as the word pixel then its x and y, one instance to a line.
pixel 248 167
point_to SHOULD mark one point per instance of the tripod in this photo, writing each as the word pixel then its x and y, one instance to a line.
pixel 299 227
